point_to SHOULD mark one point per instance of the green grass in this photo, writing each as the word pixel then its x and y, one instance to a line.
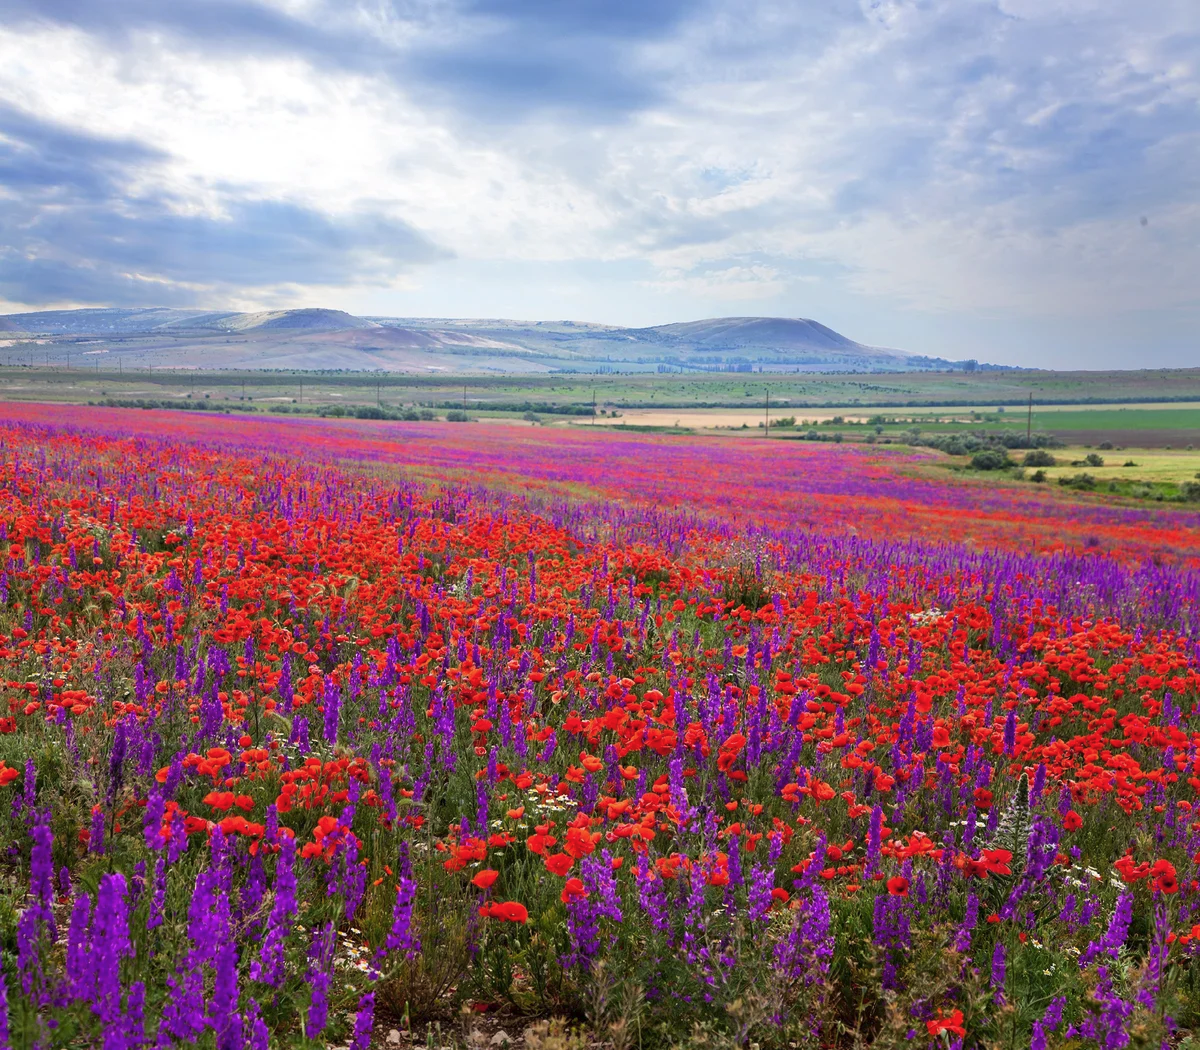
pixel 891 393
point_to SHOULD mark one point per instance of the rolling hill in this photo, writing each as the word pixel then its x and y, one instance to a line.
pixel 325 339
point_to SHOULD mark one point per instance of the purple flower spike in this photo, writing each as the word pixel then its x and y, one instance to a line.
pixel 363 1022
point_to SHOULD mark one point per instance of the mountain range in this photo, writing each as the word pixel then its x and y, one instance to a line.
pixel 321 339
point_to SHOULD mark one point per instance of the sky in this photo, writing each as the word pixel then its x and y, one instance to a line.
pixel 1016 181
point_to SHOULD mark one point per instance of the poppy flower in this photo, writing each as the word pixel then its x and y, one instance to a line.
pixel 483 879
pixel 506 911
pixel 1072 821
pixel 559 863
pixel 946 1023
pixel 573 890
pixel 897 886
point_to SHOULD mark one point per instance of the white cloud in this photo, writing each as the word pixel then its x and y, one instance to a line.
pixel 945 156
pixel 731 284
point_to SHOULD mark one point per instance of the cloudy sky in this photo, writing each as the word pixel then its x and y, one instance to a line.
pixel 1013 180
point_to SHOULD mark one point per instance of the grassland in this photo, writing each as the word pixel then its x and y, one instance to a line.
pixel 920 392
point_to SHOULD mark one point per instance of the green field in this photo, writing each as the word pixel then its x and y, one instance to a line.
pixel 1159 427
pixel 1152 409
pixel 920 390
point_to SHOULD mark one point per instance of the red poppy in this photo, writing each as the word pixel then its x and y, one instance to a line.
pixel 484 879
pixel 897 886
pixel 559 863
pixel 506 911
pixel 943 1023
pixel 573 890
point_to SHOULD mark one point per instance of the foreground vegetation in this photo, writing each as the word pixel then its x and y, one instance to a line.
pixel 317 727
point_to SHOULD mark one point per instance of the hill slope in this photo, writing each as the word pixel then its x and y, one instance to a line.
pixel 333 339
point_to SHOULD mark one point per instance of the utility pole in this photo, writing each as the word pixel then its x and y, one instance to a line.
pixel 593 402
pixel 464 397
pixel 1029 422
pixel 378 402
pixel 302 390
pixel 767 415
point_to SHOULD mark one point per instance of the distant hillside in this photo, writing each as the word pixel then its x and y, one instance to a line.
pixel 309 320
pixel 322 339
pixel 787 338
pixel 99 321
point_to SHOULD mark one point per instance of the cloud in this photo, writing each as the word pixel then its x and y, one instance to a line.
pixel 74 230
pixel 505 58
pixel 731 284
pixel 938 155
pixel 907 159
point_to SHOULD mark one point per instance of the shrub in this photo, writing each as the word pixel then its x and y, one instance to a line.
pixel 990 459
pixel 1079 481
pixel 1039 457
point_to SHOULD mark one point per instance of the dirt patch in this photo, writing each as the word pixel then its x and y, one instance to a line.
pixel 1177 438
pixel 702 419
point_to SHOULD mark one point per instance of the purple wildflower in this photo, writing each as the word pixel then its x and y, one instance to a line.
pixel 110 944
pixel 96 835
pixel 401 937
pixel 1114 937
pixel 268 967
pixel 155 810
pixel 318 1010
pixel 999 971
pixel 333 702
pixel 224 1017
pixel 259 1034
pixel 81 975
pixel 159 898
pixel 134 1021
pixel 363 1021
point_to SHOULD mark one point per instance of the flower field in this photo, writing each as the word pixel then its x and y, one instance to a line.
pixel 310 730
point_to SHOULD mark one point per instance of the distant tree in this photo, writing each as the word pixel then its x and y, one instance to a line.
pixel 990 459
pixel 1039 457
